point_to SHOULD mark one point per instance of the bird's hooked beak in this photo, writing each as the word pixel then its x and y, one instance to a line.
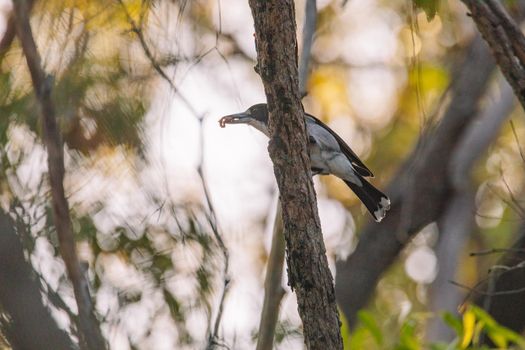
pixel 239 118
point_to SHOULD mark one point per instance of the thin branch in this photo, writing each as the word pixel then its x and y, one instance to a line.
pixel 517 141
pixel 88 324
pixel 488 293
pixel 497 250
pixel 147 51
pixel 273 290
pixel 214 336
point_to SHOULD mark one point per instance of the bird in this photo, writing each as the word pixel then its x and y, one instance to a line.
pixel 329 154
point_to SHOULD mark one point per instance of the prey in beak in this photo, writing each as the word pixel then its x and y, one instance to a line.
pixel 239 118
pixel 256 116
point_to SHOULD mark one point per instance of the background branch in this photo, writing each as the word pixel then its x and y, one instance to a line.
pixel 88 324
pixel 310 21
pixel 273 290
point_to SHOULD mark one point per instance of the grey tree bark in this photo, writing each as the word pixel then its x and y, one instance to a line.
pixel 308 271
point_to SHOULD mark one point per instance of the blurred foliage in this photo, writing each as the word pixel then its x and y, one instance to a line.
pixel 99 99
pixel 469 329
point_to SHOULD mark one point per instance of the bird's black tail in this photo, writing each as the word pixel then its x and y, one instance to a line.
pixel 374 200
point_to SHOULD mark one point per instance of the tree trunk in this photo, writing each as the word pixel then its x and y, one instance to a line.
pixel 308 271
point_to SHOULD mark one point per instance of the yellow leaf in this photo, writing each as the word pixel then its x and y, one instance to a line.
pixel 469 321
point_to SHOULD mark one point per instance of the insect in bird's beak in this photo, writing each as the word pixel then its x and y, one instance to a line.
pixel 240 118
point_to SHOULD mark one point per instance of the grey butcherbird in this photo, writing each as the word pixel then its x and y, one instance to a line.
pixel 329 154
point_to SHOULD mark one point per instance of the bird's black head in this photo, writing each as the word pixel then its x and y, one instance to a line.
pixel 259 112
pixel 256 116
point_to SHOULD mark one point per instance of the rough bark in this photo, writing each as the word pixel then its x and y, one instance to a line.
pixel 42 83
pixel 419 192
pixel 505 39
pixel 308 271
pixel 30 323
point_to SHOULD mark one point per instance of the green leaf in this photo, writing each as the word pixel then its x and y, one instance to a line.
pixel 370 324
pixel 453 322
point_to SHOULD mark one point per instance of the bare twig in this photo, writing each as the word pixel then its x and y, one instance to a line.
pixel 488 293
pixel 88 324
pixel 496 251
pixel 517 141
pixel 154 63
pixel 214 336
pixel 273 290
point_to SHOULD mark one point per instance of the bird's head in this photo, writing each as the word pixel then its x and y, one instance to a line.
pixel 256 116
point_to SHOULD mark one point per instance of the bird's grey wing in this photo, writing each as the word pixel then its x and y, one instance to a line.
pixel 322 137
pixel 315 126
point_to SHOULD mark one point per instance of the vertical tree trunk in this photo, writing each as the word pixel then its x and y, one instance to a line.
pixel 308 270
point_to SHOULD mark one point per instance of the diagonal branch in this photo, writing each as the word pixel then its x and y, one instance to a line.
pixel 88 324
pixel 10 32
